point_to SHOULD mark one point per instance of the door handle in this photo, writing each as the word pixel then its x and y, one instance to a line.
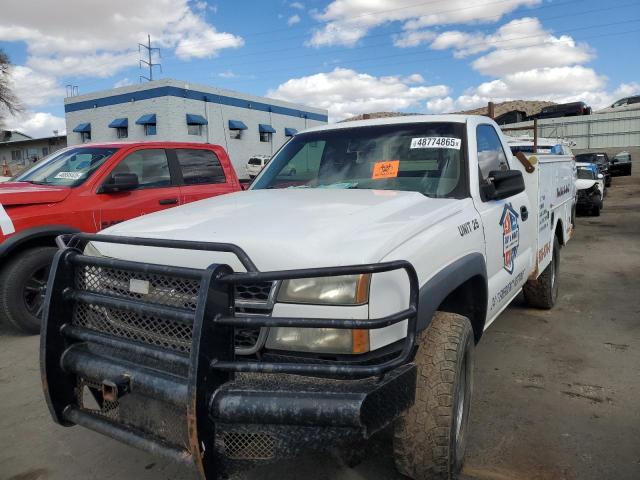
pixel 168 201
pixel 524 213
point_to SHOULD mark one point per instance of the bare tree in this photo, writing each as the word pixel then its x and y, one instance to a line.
pixel 9 103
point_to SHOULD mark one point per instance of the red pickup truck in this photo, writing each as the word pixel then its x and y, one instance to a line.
pixel 88 188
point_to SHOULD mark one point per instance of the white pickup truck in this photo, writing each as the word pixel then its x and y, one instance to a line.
pixel 313 310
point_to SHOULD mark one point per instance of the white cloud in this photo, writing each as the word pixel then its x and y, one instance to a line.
pixel 346 93
pixel 414 78
pixel 293 19
pixel 556 84
pixel 102 65
pixel 297 5
pixel 227 74
pixel 413 38
pixel 124 82
pixel 65 32
pixel 521 44
pixel 32 88
pixel 36 124
pixel 347 21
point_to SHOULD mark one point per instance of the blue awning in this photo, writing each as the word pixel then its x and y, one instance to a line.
pixel 119 123
pixel 83 128
pixel 290 132
pixel 193 119
pixel 148 119
pixel 266 128
pixel 237 125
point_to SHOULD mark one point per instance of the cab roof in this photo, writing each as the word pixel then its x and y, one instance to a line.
pixel 405 119
pixel 147 144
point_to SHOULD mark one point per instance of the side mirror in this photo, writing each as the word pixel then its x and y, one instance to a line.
pixel 120 182
pixel 503 184
pixel 600 176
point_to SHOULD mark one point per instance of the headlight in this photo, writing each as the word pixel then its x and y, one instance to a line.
pixel 91 251
pixel 318 340
pixel 341 290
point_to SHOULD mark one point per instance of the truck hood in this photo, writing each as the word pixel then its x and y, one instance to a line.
pixel 23 193
pixel 583 183
pixel 288 228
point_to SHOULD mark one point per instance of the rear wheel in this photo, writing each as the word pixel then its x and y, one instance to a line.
pixel 23 283
pixel 543 291
pixel 430 437
pixel 595 211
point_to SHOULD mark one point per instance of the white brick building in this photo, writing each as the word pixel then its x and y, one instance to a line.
pixel 173 110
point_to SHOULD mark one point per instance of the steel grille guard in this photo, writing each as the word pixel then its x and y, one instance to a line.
pixel 191 380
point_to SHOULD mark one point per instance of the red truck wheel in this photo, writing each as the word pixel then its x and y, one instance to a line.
pixel 22 287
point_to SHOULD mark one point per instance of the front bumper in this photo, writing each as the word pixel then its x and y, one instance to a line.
pixel 107 364
pixel 589 201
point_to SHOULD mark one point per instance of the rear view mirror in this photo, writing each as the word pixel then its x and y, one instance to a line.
pixel 503 184
pixel 120 182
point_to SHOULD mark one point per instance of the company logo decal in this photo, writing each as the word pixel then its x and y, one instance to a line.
pixel 560 191
pixel 510 236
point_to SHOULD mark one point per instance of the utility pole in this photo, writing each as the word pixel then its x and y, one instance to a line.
pixel 149 61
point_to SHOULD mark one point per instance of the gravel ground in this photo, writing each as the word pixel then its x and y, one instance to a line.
pixel 557 393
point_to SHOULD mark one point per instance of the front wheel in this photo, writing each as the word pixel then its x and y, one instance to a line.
pixel 22 288
pixel 430 437
pixel 543 291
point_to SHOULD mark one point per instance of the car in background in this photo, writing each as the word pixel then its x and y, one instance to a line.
pixel 601 159
pixel 86 188
pixel 590 188
pixel 621 165
pixel 623 105
pixel 256 164
pixel 572 109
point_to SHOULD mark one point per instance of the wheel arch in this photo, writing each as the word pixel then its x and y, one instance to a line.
pixel 559 232
pixel 33 237
pixel 460 288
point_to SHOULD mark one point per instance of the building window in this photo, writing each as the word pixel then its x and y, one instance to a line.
pixel 235 134
pixel 45 151
pixel 150 129
pixel 194 129
pixel 122 132
pixel 85 136
pixel 265 136
pixel 16 155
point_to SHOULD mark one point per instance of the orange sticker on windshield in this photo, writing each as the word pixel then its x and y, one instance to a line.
pixel 386 169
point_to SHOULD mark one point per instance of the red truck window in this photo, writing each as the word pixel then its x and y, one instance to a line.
pixel 151 167
pixel 200 167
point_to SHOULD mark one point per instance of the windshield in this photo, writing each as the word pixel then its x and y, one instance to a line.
pixel 422 157
pixel 586 174
pixel 68 168
pixel 591 158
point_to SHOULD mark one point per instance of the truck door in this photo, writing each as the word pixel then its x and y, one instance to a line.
pixel 156 189
pixel 508 230
pixel 203 175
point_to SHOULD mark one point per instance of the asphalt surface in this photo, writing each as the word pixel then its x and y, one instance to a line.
pixel 557 393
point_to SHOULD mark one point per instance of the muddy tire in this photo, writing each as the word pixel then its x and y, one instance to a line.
pixel 22 285
pixel 430 438
pixel 543 292
pixel 595 211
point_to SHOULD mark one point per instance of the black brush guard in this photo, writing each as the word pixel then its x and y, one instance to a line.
pixel 116 363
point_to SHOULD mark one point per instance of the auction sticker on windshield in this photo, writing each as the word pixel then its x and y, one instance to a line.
pixel 436 142
pixel 386 169
pixel 70 175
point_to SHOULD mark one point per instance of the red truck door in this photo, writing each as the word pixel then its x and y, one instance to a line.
pixel 203 174
pixel 157 188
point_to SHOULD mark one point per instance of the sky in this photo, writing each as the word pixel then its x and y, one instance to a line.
pixel 348 56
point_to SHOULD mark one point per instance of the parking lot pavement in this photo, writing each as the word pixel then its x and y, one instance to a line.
pixel 557 393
